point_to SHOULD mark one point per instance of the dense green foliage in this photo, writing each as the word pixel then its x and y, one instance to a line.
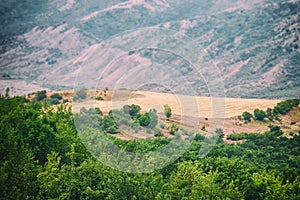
pixel 282 108
pixel 259 115
pixel 56 96
pixel 285 106
pixel 42 157
pixel 247 116
pixel 167 111
pixel 41 95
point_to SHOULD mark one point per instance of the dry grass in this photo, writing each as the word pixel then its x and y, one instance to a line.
pixel 185 105
pixel 209 108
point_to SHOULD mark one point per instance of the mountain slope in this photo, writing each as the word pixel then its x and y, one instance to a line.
pixel 254 45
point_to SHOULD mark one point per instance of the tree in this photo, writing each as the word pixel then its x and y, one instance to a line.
pixel 168 111
pixel 144 119
pixel 219 132
pixel 259 115
pixel 247 116
pixel 56 96
pixel 153 118
pixel 173 129
pixel 54 101
pixel 269 114
pixel 41 95
pixel 133 110
pixel 7 93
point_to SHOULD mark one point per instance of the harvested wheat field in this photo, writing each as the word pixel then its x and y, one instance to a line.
pixel 182 105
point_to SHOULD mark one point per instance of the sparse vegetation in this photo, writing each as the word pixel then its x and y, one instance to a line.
pixel 80 94
pixel 167 111
pixel 173 129
pixel 99 98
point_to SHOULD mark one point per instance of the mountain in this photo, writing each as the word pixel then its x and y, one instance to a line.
pixel 252 46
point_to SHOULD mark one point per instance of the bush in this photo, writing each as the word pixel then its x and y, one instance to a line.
pixel 153 118
pixel 219 132
pixel 80 94
pixel 65 101
pixel 275 130
pixel 98 111
pixel 158 133
pixel 133 110
pixel 270 114
pixel 167 111
pixel 41 95
pixel 54 101
pixel 247 116
pixel 199 137
pixel 56 96
pixel 259 115
pixel 173 129
pixel 144 119
pixel 237 136
pixel 99 98
pixel 286 106
pixel 162 126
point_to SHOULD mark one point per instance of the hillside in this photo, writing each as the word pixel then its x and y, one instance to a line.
pixel 230 121
pixel 45 156
pixel 254 46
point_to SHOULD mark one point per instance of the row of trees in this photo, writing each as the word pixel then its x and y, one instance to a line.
pixel 272 114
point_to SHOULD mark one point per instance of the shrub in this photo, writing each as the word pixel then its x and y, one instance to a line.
pixel 144 120
pixel 275 130
pixel 99 98
pixel 237 136
pixel 133 110
pixel 80 94
pixel 220 132
pixel 247 116
pixel 158 133
pixel 98 111
pixel 162 126
pixel 54 101
pixel 41 95
pixel 65 101
pixel 259 114
pixel 173 129
pixel 167 111
pixel 56 96
pixel 286 106
pixel 153 118
pixel 199 137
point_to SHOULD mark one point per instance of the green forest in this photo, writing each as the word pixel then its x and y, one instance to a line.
pixel 43 157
